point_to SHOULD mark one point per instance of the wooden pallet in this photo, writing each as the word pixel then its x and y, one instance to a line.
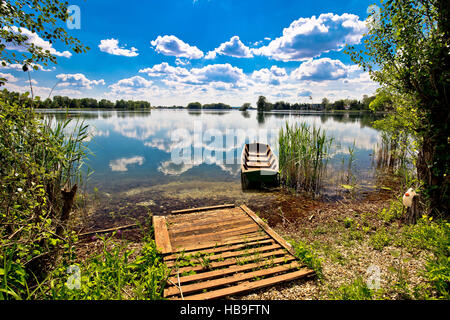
pixel 219 251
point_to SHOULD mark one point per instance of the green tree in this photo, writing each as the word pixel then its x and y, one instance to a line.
pixel 105 104
pixel 194 105
pixel 263 105
pixel 42 17
pixel 382 102
pixel 245 106
pixel 407 52
pixel 366 101
pixel 326 103
pixel 339 105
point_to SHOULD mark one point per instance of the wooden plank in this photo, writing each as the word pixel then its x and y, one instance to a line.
pixel 245 287
pixel 228 254
pixel 258 164
pixel 269 230
pixel 258 159
pixel 161 234
pixel 257 154
pixel 230 280
pixel 215 235
pixel 195 217
pixel 223 206
pixel 222 249
pixel 211 240
pixel 204 224
pixel 230 270
pixel 129 226
pixel 205 220
pixel 202 214
pixel 211 227
pixel 230 241
pixel 230 261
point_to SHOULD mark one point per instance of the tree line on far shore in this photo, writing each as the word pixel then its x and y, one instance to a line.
pixel 368 103
pixel 76 103
pixel 380 102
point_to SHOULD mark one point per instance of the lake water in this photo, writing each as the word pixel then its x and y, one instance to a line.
pixel 138 153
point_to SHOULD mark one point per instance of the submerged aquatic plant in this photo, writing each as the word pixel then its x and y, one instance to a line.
pixel 303 156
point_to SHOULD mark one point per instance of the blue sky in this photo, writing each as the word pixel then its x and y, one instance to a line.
pixel 178 51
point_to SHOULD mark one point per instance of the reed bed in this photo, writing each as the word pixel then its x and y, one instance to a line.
pixel 303 157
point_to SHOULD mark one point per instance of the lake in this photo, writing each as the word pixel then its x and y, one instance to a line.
pixel 162 159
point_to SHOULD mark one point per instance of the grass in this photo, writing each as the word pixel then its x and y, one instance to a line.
pixel 356 290
pixel 116 272
pixel 303 155
pixel 306 254
pixel 381 239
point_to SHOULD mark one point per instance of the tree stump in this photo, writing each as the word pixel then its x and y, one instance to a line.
pixel 68 197
pixel 413 212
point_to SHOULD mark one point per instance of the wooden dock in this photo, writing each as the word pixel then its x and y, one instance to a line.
pixel 219 251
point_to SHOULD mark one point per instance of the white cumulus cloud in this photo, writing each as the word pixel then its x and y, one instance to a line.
pixel 172 46
pixel 272 76
pixel 165 70
pixel 111 46
pixel 130 84
pixel 78 80
pixel 233 48
pixel 121 165
pixel 9 77
pixel 321 70
pixel 306 38
pixel 32 38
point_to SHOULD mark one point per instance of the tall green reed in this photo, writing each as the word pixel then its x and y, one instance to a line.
pixel 303 156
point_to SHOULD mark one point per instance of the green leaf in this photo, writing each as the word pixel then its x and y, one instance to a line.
pixel 347 186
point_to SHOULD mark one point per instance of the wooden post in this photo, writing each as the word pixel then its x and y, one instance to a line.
pixel 68 197
pixel 413 212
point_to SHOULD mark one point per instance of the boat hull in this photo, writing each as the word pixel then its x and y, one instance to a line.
pixel 259 165
pixel 261 176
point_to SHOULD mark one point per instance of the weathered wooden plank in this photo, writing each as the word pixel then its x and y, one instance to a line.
pixel 223 206
pixel 258 164
pixel 230 280
pixel 215 235
pixel 258 159
pixel 161 234
pixel 224 242
pixel 211 226
pixel 216 240
pixel 222 248
pixel 230 254
pixel 203 224
pixel 230 270
pixel 257 154
pixel 202 214
pixel 129 226
pixel 192 218
pixel 231 261
pixel 269 231
pixel 245 287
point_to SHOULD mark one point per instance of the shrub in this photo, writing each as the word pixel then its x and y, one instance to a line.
pixel 36 161
pixel 114 274
pixel 308 257
pixel 356 290
pixel 381 239
pixel 433 236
